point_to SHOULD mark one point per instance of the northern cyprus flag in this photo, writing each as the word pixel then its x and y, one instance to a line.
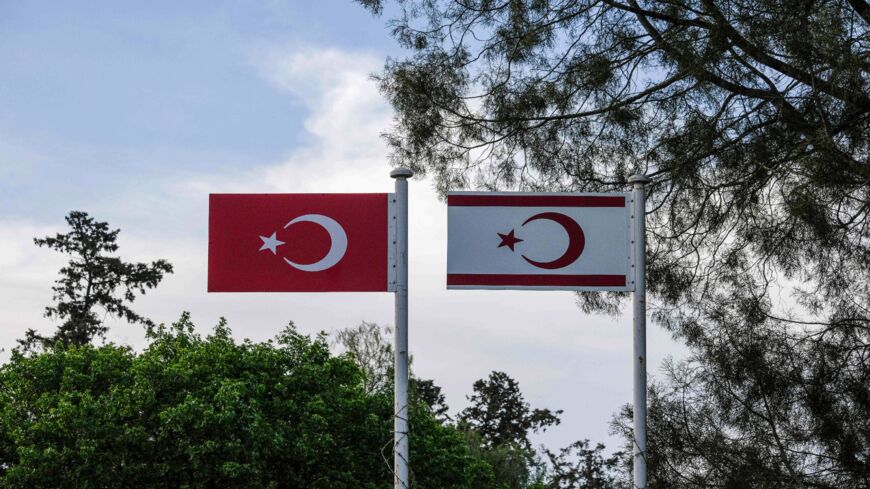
pixel 541 241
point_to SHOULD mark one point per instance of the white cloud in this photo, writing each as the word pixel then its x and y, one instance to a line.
pixel 346 118
pixel 25 280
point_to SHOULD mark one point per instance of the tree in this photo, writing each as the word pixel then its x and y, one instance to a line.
pixel 580 466
pixel 753 119
pixel 513 467
pixel 369 347
pixel 211 412
pixel 756 406
pixel 429 394
pixel 93 278
pixel 496 426
pixel 500 414
pixel 498 423
pixel 753 122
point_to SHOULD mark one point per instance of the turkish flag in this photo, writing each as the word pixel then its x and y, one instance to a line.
pixel 299 242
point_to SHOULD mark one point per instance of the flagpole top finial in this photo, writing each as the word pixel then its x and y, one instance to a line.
pixel 639 178
pixel 401 172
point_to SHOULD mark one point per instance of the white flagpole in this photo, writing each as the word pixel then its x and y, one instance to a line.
pixel 639 244
pixel 400 421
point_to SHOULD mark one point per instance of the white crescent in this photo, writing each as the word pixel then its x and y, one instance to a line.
pixel 336 250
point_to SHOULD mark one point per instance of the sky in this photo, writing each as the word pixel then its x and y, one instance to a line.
pixel 135 112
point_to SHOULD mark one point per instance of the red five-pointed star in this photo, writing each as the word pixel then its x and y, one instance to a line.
pixel 508 240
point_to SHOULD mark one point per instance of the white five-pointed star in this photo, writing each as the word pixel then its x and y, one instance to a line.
pixel 271 243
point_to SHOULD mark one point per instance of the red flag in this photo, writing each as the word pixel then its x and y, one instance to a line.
pixel 298 242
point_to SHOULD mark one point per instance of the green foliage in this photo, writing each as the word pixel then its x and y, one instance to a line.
pixel 426 393
pixel 369 347
pixel 93 278
pixel 513 467
pixel 752 120
pixel 500 415
pixel 193 412
pixel 495 426
pixel 757 407
pixel 580 466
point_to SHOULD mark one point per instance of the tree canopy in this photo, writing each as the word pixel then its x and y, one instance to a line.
pixel 496 425
pixel 93 278
pixel 751 116
pixel 501 416
pixel 207 412
pixel 753 119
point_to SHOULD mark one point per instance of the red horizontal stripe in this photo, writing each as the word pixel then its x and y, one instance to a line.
pixel 531 280
pixel 535 200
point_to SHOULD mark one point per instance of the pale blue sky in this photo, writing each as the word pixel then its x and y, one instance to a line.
pixel 96 94
pixel 134 112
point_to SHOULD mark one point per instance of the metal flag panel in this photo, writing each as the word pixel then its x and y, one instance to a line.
pixel 300 243
pixel 541 241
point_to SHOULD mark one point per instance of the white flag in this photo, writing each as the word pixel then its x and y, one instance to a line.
pixel 540 241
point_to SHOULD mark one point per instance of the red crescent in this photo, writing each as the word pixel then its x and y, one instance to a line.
pixel 576 240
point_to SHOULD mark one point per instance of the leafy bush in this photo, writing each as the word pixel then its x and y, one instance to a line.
pixel 194 412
